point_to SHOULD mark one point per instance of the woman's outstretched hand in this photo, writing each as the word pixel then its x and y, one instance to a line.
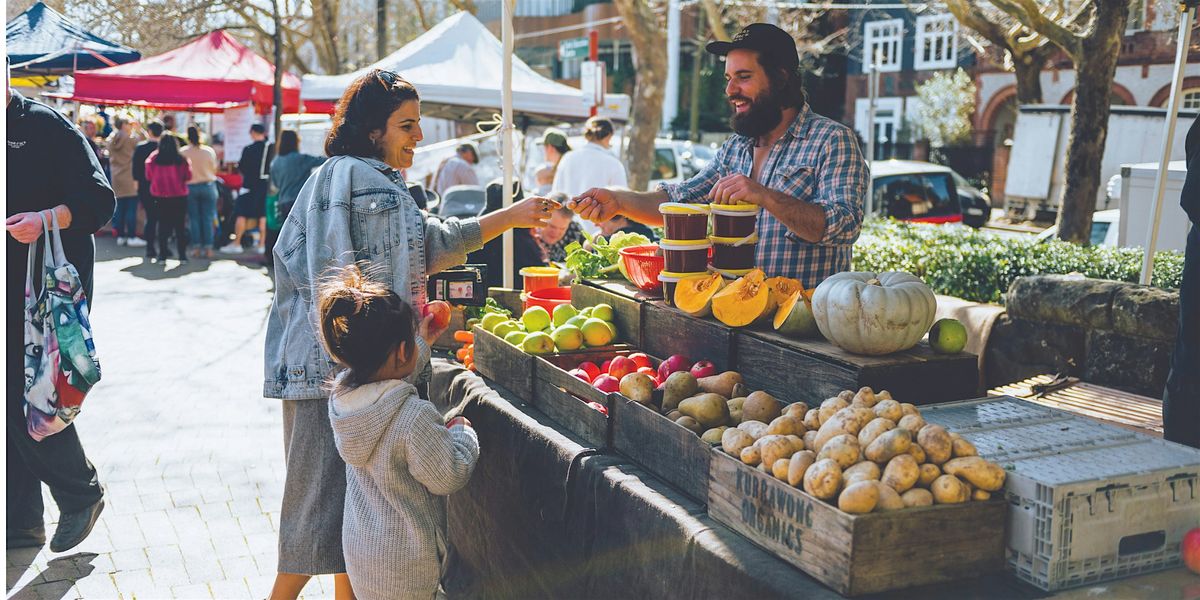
pixel 531 212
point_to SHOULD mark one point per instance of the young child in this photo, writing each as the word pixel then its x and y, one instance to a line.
pixel 400 457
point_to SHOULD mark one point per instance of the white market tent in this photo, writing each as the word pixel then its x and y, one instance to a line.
pixel 457 68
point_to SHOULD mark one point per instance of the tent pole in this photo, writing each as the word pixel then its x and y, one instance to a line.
pixel 1160 180
pixel 506 130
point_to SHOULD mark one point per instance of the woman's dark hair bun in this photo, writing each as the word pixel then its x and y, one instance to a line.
pixel 362 322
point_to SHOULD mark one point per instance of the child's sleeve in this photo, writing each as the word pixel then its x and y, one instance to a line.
pixel 441 459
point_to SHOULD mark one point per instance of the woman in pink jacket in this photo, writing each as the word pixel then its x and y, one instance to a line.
pixel 168 173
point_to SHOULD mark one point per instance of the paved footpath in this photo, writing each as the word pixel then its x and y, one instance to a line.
pixel 190 452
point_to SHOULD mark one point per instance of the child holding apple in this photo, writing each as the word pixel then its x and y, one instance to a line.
pixel 401 459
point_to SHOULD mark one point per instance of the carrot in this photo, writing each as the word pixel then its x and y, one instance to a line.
pixel 464 336
pixel 461 354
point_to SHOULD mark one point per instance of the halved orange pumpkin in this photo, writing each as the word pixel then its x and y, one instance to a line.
pixel 743 301
pixel 795 317
pixel 693 295
pixel 780 289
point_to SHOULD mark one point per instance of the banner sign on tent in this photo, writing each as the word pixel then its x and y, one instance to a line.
pixel 237 131
pixel 574 48
pixel 591 82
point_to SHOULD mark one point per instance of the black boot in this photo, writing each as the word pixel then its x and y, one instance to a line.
pixel 74 527
pixel 34 537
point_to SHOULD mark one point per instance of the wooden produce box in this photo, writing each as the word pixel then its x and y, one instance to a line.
pixel 512 367
pixel 666 331
pixel 625 299
pixel 564 397
pixel 857 554
pixel 815 369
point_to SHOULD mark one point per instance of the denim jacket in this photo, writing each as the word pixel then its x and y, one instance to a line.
pixel 351 209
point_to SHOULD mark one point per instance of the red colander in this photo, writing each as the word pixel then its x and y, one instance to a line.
pixel 643 265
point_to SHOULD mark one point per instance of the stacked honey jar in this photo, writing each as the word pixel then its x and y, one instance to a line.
pixel 689 250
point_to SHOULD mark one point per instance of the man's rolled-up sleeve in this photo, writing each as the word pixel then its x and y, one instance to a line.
pixel 841 187
pixel 695 190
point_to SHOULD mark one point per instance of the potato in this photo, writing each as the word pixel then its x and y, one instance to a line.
pixel 980 473
pixel 831 429
pixel 823 479
pixel 812 421
pixel 889 498
pixel 797 465
pixel 981 496
pixel 786 425
pixel 734 440
pixel 773 448
pixel 751 455
pixel 864 415
pixel 936 443
pixel 913 423
pixel 844 449
pixel 827 410
pixel 889 409
pixel 713 436
pixel 796 441
pixel 882 395
pixel 948 489
pixel 962 448
pixel 929 472
pixel 796 409
pixel 909 409
pixel 846 396
pixel 863 471
pixel 955 436
pixel 674 415
pixel 901 473
pixel 780 469
pixel 888 445
pixel 859 498
pixel 874 429
pixel 810 438
pixel 917 497
pixel 756 429
pixel 917 453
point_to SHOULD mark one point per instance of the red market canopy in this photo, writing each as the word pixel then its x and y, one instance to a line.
pixel 209 74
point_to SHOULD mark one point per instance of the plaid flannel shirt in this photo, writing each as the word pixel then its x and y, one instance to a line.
pixel 817 161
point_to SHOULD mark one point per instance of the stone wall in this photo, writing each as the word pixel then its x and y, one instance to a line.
pixel 1105 332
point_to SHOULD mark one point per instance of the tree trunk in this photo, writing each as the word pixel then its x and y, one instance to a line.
pixel 1095 66
pixel 650 45
pixel 715 22
pixel 1028 68
pixel 381 29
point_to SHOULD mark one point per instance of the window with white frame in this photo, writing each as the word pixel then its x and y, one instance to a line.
pixel 1137 17
pixel 882 41
pixel 936 42
pixel 1190 99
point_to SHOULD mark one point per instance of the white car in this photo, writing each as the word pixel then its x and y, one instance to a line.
pixel 1106 226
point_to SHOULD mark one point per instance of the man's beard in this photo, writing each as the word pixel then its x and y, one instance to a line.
pixel 762 116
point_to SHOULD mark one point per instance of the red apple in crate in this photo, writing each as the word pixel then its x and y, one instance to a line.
pixel 1190 548
pixel 607 384
pixel 704 368
pixel 649 371
pixel 440 311
pixel 676 362
pixel 604 366
pixel 641 360
pixel 599 407
pixel 581 374
pixel 621 366
pixel 590 368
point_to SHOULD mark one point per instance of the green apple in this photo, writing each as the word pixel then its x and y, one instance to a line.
pixel 587 312
pixel 602 311
pixel 597 332
pixel 503 329
pixel 491 320
pixel 516 338
pixel 567 337
pixel 538 343
pixel 577 321
pixel 948 336
pixel 535 318
pixel 562 313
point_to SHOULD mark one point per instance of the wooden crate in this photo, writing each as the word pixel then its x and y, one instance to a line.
pixel 671 452
pixel 813 370
pixel 504 363
pixel 625 299
pixel 666 330
pixel 563 397
pixel 508 298
pixel 857 554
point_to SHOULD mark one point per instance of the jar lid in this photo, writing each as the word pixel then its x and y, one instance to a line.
pixel 538 272
pixel 733 273
pixel 682 208
pixel 684 244
pixel 671 276
pixel 734 241
pixel 735 210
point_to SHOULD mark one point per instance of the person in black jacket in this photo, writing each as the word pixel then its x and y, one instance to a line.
pixel 143 151
pixel 51 168
pixel 527 252
pixel 251 206
pixel 1181 399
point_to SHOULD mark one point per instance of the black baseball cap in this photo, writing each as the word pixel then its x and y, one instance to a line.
pixel 772 43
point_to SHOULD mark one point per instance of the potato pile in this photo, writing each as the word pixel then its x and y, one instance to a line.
pixel 864 452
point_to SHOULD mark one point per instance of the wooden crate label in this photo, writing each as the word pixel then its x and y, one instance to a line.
pixel 774 513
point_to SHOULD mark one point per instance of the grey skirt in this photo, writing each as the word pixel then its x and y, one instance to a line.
pixel 314 492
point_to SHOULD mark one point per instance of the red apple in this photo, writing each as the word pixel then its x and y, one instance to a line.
pixel 674 363
pixel 607 384
pixel 581 374
pixel 641 360
pixel 703 368
pixel 599 407
pixel 1190 548
pixel 440 311
pixel 590 368
pixel 604 366
pixel 621 366
pixel 649 372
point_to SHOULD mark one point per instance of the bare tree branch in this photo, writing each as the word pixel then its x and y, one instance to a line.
pixel 1030 14
pixel 715 22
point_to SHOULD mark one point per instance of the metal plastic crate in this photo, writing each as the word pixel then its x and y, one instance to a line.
pixel 1088 502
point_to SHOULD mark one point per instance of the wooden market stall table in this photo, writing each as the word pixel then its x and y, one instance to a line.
pixel 544 516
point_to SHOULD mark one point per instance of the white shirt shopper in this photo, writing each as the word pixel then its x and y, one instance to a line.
pixel 592 166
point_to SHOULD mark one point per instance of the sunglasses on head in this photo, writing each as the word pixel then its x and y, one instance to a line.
pixel 388 79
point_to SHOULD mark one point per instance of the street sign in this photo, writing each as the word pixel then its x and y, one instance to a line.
pixel 591 82
pixel 574 48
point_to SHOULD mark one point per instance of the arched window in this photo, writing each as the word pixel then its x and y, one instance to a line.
pixel 1190 99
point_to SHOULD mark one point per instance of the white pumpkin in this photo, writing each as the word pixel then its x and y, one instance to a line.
pixel 865 313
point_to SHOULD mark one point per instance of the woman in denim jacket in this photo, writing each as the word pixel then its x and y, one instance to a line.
pixel 355 208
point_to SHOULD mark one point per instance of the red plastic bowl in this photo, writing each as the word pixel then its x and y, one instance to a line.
pixel 548 298
pixel 643 266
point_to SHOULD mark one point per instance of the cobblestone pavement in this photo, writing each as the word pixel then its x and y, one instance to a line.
pixel 190 452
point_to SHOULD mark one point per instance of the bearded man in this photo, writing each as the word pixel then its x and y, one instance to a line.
pixel 805 172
